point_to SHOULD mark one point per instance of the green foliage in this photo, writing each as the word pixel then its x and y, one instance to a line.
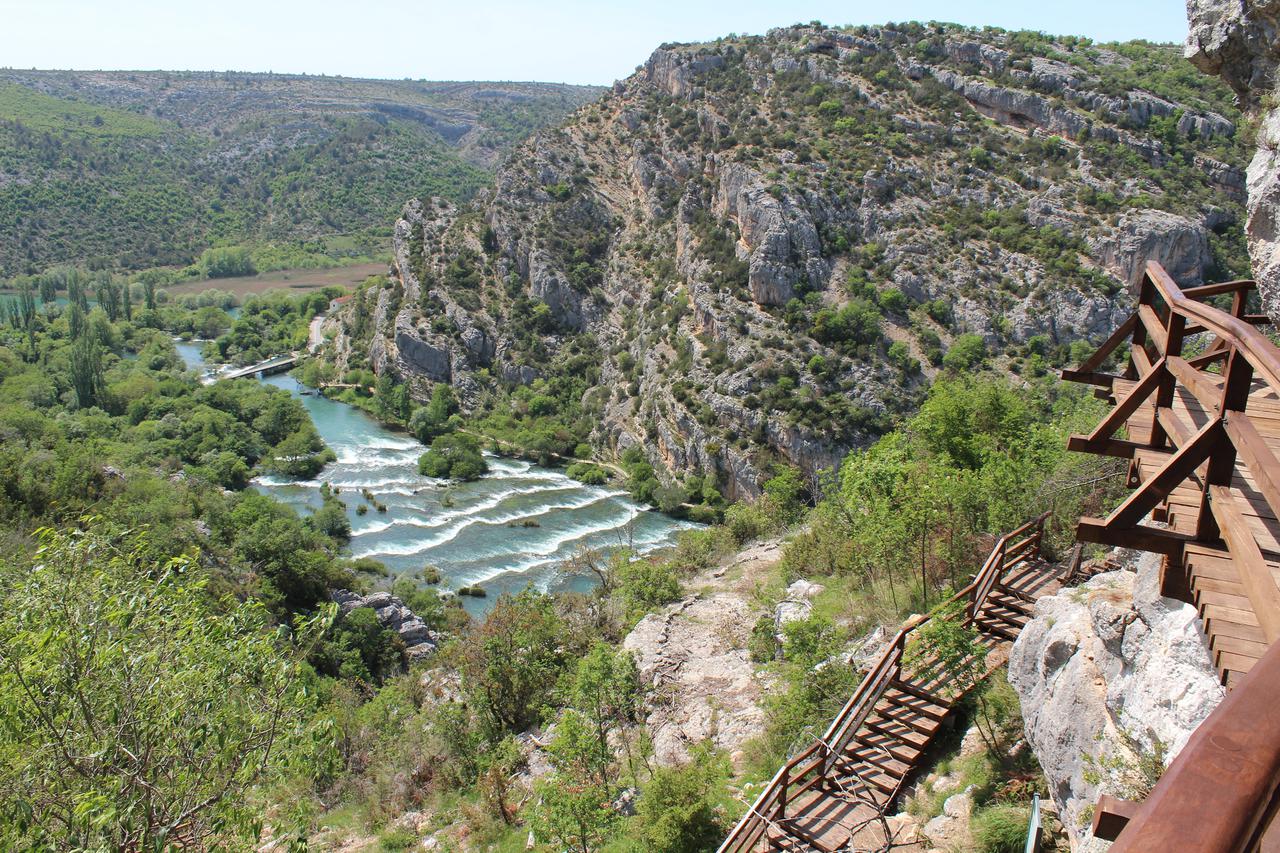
pixel 431 420
pixel 512 661
pixel 226 262
pixel 123 189
pixel 585 472
pixel 966 353
pixel 454 456
pixel 129 708
pixel 1000 828
pixel 788 495
pixel 854 329
pixel 645 584
pixel 678 812
pixel 913 513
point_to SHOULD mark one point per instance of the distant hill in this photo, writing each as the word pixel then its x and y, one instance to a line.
pixel 135 169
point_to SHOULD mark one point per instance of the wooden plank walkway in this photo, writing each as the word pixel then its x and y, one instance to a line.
pixel 846 810
pixel 1208 572
pixel 1202 433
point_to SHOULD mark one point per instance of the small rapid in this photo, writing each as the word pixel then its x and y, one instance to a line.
pixel 516 526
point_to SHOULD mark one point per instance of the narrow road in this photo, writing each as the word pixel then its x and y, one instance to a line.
pixel 314 336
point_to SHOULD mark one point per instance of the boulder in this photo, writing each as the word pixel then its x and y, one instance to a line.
pixel 1239 41
pixel 395 615
pixel 1105 671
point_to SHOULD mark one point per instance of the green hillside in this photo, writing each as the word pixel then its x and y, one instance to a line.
pixel 133 170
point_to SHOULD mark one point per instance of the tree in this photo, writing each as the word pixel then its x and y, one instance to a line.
pixel 455 456
pixel 132 715
pixel 86 369
pixel 606 689
pixel 511 661
pixel 574 806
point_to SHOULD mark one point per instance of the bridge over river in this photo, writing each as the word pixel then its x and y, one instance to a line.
pixel 275 364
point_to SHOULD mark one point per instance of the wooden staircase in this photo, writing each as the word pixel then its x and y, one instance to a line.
pixel 834 795
pixel 1196 410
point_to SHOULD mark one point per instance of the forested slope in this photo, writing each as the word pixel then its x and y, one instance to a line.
pixel 138 169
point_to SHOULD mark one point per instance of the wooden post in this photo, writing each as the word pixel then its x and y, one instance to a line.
pixel 780 811
pixel 1174 326
pixel 1238 375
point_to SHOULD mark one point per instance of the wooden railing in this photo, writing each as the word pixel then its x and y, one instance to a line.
pixel 1219 795
pixel 816 765
pixel 1203 452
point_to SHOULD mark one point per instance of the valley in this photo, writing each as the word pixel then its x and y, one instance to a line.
pixel 678 465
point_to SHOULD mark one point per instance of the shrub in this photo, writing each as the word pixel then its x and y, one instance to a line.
pixel 454 456
pixel 1000 829
pixel 678 812
pixel 746 521
pixel 585 472
pixel 967 352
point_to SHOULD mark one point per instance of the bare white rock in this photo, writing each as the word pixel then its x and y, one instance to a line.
pixel 1104 668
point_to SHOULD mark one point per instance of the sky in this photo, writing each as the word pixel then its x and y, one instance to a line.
pixel 566 41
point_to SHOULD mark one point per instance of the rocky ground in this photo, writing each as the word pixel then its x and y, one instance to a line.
pixel 694 655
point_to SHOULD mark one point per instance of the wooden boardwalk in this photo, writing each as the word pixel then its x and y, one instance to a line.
pixel 836 794
pixel 1202 432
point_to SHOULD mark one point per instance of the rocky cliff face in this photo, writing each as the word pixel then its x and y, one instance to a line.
pixel 760 247
pixel 1110 674
pixel 1240 42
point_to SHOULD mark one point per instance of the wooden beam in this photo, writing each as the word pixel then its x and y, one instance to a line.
pixel 1111 815
pixel 1123 331
pixel 1253 450
pixel 1216 352
pixel 1206 388
pixel 1141 361
pixel 1140 536
pixel 1088 377
pixel 1180 466
pixel 1216 793
pixel 1204 291
pixel 1145 387
pixel 1173 427
pixel 1117 447
pixel 1155 328
pixel 1255 575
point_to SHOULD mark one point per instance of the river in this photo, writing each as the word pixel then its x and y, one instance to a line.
pixel 514 527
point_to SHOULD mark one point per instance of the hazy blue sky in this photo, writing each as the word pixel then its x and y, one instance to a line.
pixel 556 40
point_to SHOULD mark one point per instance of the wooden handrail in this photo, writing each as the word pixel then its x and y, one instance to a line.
pixel 1254 346
pixel 771 804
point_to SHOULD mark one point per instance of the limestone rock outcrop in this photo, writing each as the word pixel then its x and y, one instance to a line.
pixel 693 655
pixel 1106 671
pixel 395 615
pixel 743 253
pixel 1239 40
pixel 1177 243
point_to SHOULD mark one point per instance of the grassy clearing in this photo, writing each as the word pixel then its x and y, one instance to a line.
pixel 297 280
pixel 45 113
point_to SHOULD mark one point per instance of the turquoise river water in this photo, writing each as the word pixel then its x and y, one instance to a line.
pixel 514 527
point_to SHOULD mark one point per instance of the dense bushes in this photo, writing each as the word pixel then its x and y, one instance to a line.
pixel 167 716
pixel 914 512
pixel 454 456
